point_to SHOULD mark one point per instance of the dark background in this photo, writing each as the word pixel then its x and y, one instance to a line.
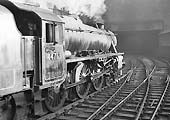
pixel 143 26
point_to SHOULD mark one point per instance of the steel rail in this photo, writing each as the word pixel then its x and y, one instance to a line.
pixel 145 97
pixel 125 99
pixel 161 99
pixel 163 94
pixel 111 98
pixel 62 110
pixel 144 100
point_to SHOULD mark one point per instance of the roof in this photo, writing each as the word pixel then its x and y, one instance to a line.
pixel 42 13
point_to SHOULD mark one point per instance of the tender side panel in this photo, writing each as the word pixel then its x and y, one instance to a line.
pixel 10 54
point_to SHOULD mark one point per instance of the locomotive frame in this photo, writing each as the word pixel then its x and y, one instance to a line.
pixel 42 77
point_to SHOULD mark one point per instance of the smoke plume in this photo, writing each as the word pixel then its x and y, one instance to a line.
pixel 90 8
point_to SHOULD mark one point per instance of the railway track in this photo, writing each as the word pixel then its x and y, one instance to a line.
pixel 156 103
pixel 147 103
pixel 142 93
pixel 92 101
pixel 98 97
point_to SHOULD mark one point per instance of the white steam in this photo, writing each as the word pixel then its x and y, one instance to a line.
pixel 91 8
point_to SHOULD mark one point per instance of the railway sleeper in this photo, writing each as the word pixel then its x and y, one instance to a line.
pixel 146 117
pixel 166 104
pixel 123 95
pixel 115 117
pixel 133 102
pixel 80 113
pixel 130 105
pixel 125 115
pixel 157 87
pixel 68 117
pixel 164 114
pixel 102 97
pixel 148 111
pixel 99 98
pixel 124 108
pixel 87 106
pixel 86 109
pixel 106 94
pixel 94 102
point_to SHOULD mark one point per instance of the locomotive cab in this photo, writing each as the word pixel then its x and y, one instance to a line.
pixel 33 58
pixel 53 58
pixel 40 45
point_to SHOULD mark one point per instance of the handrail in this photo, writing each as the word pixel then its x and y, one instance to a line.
pixel 111 98
pixel 125 99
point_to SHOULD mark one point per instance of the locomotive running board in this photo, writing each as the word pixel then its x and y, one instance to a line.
pixel 77 59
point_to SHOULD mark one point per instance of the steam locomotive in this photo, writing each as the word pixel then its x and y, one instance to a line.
pixel 46 59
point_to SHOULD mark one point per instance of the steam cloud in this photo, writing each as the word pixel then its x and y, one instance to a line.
pixel 90 8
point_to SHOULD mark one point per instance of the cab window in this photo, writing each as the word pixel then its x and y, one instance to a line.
pixel 59 33
pixel 54 33
pixel 49 33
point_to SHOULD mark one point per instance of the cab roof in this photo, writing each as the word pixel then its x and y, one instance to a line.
pixel 42 13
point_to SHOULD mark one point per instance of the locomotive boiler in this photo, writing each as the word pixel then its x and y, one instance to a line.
pixel 46 59
pixel 80 37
